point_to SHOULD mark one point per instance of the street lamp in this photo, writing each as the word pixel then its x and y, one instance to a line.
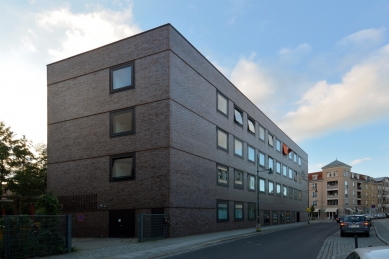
pixel 270 171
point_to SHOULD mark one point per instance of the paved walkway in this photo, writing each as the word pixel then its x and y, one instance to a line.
pixel 333 248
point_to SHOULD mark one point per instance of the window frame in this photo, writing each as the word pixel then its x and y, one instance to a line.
pixel 217 103
pixel 285 191
pixel 278 190
pixel 249 119
pixel 290 173
pixel 239 140
pixel 236 108
pixel 260 129
pixel 270 165
pixel 111 77
pixel 217 175
pixel 278 145
pixel 251 204
pixel 278 166
pixel 270 138
pixel 291 193
pixel 259 159
pixel 124 178
pixel 268 189
pixel 248 153
pixel 235 204
pixel 259 185
pixel 217 211
pixel 284 171
pixel 238 186
pixel 249 177
pixel 111 120
pixel 217 139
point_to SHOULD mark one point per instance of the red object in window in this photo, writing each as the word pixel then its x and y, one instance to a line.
pixel 285 149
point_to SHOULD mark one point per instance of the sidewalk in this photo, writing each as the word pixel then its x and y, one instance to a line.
pixel 131 249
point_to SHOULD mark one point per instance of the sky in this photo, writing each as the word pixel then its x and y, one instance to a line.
pixel 318 69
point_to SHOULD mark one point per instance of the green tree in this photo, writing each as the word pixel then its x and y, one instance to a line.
pixel 7 144
pixel 49 204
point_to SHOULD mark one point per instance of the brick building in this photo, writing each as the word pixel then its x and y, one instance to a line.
pixel 148 125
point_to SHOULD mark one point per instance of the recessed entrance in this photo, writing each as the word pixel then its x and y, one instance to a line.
pixel 122 223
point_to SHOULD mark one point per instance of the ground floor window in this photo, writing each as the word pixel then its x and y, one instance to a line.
pixel 275 218
pixel 238 211
pixel 282 217
pixel 288 217
pixel 266 217
pixel 251 211
pixel 222 211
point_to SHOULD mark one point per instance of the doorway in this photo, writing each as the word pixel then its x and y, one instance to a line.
pixel 122 223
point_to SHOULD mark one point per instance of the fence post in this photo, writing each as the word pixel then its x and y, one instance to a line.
pixel 140 228
pixel 69 234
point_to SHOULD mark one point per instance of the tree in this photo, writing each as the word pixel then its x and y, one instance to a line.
pixel 7 144
pixel 312 209
pixel 23 169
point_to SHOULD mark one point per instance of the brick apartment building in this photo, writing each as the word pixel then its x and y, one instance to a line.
pixel 338 190
pixel 147 125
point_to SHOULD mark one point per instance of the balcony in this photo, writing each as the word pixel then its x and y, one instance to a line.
pixel 359 196
pixel 332 187
pixel 332 196
pixel 359 188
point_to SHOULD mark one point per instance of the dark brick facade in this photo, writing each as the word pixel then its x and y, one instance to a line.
pixel 174 143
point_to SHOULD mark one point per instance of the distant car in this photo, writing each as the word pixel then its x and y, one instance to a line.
pixel 377 252
pixel 355 224
pixel 339 219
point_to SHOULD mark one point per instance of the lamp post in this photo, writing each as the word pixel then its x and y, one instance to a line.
pixel 270 171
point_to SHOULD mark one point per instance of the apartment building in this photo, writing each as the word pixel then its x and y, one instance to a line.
pixel 382 194
pixel 147 125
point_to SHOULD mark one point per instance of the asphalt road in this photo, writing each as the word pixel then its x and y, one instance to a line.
pixel 294 243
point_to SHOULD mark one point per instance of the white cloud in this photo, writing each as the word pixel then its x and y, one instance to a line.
pixel 361 97
pixel 86 31
pixel 299 50
pixel 364 37
pixel 361 160
pixel 39 39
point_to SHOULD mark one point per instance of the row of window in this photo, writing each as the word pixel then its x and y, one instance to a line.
pixel 276 217
pixel 276 166
pixel 222 107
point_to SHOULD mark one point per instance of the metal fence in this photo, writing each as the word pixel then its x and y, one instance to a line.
pixel 34 236
pixel 152 227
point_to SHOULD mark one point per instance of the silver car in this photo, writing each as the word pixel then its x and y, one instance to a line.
pixel 378 252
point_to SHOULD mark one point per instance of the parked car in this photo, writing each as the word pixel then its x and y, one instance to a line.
pixel 355 224
pixel 339 219
pixel 377 252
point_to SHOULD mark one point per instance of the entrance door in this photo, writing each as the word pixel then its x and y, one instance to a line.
pixel 121 223
pixel 298 217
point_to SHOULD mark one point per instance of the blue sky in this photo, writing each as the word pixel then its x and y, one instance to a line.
pixel 319 70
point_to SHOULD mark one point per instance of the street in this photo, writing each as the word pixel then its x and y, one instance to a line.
pixel 294 243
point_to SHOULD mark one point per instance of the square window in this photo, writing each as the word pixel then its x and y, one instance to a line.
pixel 122 167
pixel 238 179
pixel 262 185
pixel 238 211
pixel 238 147
pixel 251 182
pixel 251 154
pixel 295 158
pixel 278 167
pixel 122 122
pixel 278 145
pixel 290 173
pixel 291 155
pixel 222 139
pixel 238 116
pixel 222 211
pixel 222 175
pixel 261 133
pixel 261 160
pixel 270 140
pixel 122 77
pixel 222 104
pixel 271 188
pixel 290 193
pixel 299 161
pixel 271 163
pixel 251 211
pixel 251 125
pixel 284 171
pixel 278 189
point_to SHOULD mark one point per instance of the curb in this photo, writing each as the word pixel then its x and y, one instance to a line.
pixel 379 237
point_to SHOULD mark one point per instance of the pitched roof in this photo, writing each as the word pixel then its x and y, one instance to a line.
pixel 319 176
pixel 336 163
pixel 379 179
